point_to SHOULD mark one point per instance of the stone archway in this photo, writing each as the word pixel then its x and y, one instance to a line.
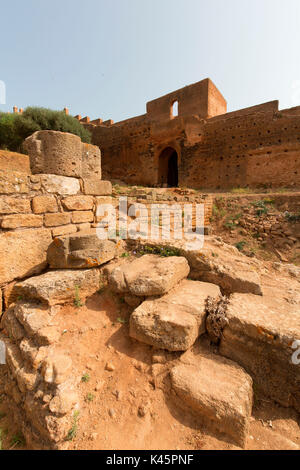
pixel 168 168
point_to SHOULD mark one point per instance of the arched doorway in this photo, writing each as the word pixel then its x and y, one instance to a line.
pixel 168 168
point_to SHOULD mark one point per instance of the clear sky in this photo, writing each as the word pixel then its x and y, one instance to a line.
pixel 107 58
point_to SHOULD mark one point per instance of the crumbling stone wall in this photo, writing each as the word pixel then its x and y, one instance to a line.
pixel 35 208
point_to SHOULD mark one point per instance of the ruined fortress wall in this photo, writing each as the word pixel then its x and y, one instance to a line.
pixel 253 147
pixel 253 150
pixel 127 151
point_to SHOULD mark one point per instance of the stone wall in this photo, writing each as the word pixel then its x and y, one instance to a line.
pixel 253 147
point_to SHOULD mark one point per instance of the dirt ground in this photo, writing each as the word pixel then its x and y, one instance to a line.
pixel 125 408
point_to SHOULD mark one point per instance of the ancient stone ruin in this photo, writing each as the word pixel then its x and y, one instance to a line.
pixel 132 337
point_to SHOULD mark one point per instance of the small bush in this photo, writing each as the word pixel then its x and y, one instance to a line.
pixel 15 128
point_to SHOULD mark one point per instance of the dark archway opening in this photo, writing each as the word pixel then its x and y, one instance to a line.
pixel 168 168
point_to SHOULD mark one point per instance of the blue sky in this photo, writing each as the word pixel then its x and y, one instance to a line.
pixel 108 58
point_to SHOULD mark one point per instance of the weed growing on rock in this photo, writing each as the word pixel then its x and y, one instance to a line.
pixel 77 300
pixel 163 251
pixel 72 433
pixel 85 378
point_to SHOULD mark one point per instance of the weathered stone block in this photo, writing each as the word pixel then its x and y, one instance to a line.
pixel 64 230
pixel 56 219
pixel 164 326
pixel 59 287
pixel 81 250
pixel 57 153
pixel 259 336
pixel 13 182
pixel 79 217
pixel 42 204
pixel 14 205
pixel 78 203
pixel 23 253
pixel 174 321
pixel 61 185
pixel 91 161
pixel 97 187
pixel 22 220
pixel 149 275
pixel 219 392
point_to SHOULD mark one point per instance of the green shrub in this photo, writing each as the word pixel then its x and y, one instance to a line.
pixel 15 128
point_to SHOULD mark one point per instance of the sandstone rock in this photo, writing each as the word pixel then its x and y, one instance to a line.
pixel 59 287
pixel 54 152
pixel 42 204
pixel 218 391
pixel 27 379
pixel 23 253
pixel 59 218
pixel 13 182
pixel 64 230
pixel 61 185
pixel 56 368
pixel 14 205
pixel 97 187
pixel 82 216
pixel 149 275
pixel 85 227
pixel 259 336
pixel 78 203
pixel 220 264
pixel 174 321
pixel 22 220
pixel 12 325
pixel 31 353
pixel 32 316
pixel 65 399
pixel 91 161
pixel 81 250
pixel 223 265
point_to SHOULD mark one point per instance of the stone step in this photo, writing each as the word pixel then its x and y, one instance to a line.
pixel 217 391
pixel 149 275
pixel 218 263
pixel 174 321
pixel 261 335
pixel 59 287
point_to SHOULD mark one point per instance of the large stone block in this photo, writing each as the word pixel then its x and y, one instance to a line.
pixel 23 253
pixel 79 217
pixel 174 321
pixel 13 182
pixel 259 336
pixel 149 275
pixel 59 287
pixel 91 161
pixel 217 391
pixel 42 204
pixel 81 250
pixel 21 220
pixel 61 185
pixel 64 230
pixel 78 203
pixel 57 153
pixel 56 219
pixel 14 205
pixel 96 187
pixel 61 153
